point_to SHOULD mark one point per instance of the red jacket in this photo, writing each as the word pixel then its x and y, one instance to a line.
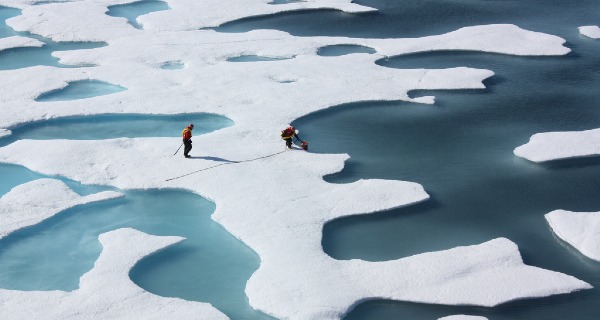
pixel 289 132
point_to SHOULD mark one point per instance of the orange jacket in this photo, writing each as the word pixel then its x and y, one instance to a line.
pixel 186 134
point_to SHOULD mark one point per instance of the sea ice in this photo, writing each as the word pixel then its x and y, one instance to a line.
pixel 590 31
pixel 106 292
pixel 18 42
pixel 274 201
pixel 579 229
pixel 560 145
pixel 38 200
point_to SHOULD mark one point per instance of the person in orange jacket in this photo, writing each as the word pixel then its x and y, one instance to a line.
pixel 186 134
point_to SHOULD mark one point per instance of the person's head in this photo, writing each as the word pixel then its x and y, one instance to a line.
pixel 191 126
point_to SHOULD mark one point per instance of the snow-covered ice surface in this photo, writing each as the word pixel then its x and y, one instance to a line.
pixel 287 222
pixel 38 200
pixel 18 42
pixel 106 292
pixel 5 133
pixel 560 145
pixel 278 213
pixel 463 317
pixel 590 31
pixel 579 229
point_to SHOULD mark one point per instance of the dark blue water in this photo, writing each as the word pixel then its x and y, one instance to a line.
pixel 27 57
pixel 132 11
pixel 460 149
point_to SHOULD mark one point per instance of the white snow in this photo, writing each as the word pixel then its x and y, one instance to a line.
pixel 560 145
pixel 463 317
pixel 579 229
pixel 38 200
pixel 18 42
pixel 106 292
pixel 277 205
pixel 590 31
pixel 5 133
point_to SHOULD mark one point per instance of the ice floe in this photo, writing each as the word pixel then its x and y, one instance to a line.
pixel 88 17
pixel 18 42
pixel 347 78
pixel 579 229
pixel 560 145
pixel 38 200
pixel 182 15
pixel 106 292
pixel 78 17
pixel 590 31
pixel 276 202
pixel 280 214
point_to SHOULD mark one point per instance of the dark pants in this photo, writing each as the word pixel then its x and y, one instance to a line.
pixel 187 146
pixel 288 142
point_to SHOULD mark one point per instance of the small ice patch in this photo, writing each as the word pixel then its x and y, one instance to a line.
pixel 579 229
pixel 590 31
pixel 5 133
pixel 38 200
pixel 560 145
pixel 18 42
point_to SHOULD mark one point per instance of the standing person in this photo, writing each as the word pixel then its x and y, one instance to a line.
pixel 186 134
